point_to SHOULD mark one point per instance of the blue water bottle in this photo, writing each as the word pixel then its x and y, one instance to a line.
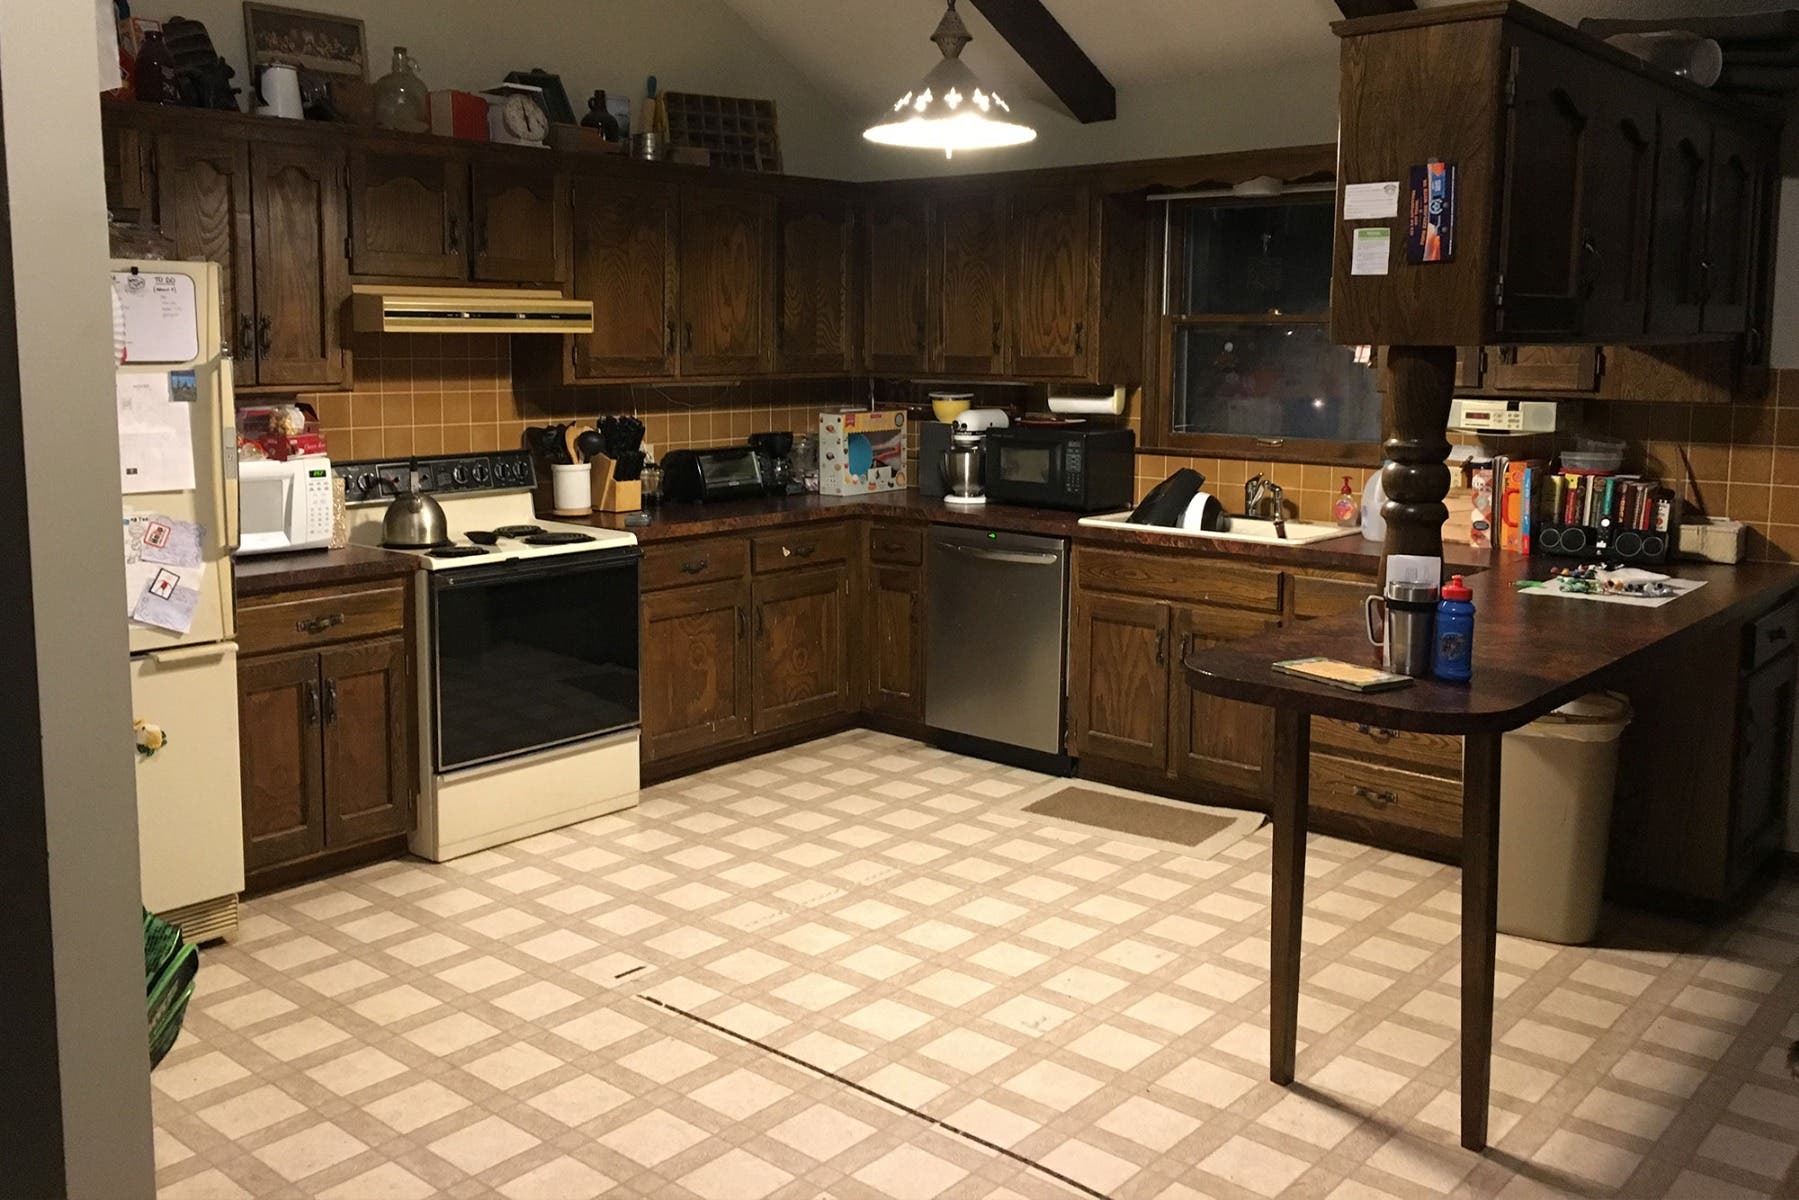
pixel 1452 649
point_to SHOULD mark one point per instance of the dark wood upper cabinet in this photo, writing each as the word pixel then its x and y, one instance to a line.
pixel 1118 679
pixel 816 256
pixel 520 216
pixel 1617 217
pixel 203 206
pixel 302 276
pixel 280 709
pixel 367 744
pixel 1736 196
pixel 696 667
pixel 727 282
pixel 1054 272
pixel 968 283
pixel 624 261
pixel 1682 174
pixel 802 667
pixel 409 212
pixel 896 308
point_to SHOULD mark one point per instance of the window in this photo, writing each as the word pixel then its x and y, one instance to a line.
pixel 1247 364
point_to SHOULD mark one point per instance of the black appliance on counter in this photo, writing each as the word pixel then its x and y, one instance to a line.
pixel 705 476
pixel 933 441
pixel 776 450
pixel 1072 467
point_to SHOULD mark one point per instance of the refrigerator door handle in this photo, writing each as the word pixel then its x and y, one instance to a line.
pixel 224 458
pixel 182 655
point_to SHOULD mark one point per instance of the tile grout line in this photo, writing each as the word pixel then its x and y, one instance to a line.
pixel 865 1090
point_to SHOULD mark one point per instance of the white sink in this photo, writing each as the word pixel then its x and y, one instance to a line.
pixel 1237 529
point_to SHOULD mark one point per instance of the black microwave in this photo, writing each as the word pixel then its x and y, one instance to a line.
pixel 1087 470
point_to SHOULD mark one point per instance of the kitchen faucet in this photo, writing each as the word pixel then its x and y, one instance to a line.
pixel 1263 500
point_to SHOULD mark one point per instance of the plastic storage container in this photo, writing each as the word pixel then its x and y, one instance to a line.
pixel 1555 811
pixel 1593 453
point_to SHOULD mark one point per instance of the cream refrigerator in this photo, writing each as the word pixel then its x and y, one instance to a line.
pixel 178 480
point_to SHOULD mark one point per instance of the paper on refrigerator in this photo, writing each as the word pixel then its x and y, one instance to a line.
pixel 163 570
pixel 156 435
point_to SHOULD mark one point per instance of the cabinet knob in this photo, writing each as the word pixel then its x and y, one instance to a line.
pixel 330 701
pixel 1161 647
pixel 319 624
pixel 694 566
pixel 312 703
pixel 669 346
pixel 246 336
pixel 1080 337
pixel 996 327
pixel 453 231
pixel 1378 799
pixel 687 337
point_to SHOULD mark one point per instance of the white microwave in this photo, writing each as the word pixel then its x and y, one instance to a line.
pixel 283 505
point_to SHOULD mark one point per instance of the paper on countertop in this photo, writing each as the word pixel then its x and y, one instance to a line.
pixel 161 316
pixel 1371 250
pixel 1680 587
pixel 156 435
pixel 1371 201
pixel 163 570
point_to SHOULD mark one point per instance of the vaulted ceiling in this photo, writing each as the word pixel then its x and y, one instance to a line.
pixel 867 51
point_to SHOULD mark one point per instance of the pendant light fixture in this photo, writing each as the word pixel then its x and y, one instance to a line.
pixel 950 110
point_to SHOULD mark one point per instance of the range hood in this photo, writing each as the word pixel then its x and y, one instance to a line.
pixel 376 308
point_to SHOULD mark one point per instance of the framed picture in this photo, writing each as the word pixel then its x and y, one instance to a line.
pixel 321 43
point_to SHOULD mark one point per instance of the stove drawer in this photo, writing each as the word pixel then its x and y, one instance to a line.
pixel 709 560
pixel 296 620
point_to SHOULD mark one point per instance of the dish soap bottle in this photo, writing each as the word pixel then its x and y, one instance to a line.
pixel 1452 646
pixel 1347 510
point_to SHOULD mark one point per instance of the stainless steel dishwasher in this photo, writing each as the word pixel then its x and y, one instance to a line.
pixel 997 641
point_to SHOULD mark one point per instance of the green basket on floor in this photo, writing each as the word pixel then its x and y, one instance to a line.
pixel 170 966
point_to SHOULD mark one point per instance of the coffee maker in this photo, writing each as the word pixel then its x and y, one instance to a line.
pixel 775 449
pixel 964 462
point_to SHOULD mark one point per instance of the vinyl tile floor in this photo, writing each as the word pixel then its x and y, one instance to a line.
pixel 855 969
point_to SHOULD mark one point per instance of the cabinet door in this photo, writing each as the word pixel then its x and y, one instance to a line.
pixel 624 261
pixel 801 670
pixel 894 654
pixel 408 213
pixel 696 668
pixel 1764 752
pixel 1118 679
pixel 1217 742
pixel 968 258
pixel 369 745
pixel 1733 214
pixel 896 305
pixel 521 222
pixel 1616 229
pixel 279 711
pixel 816 330
pixel 1548 143
pixel 1558 369
pixel 203 206
pixel 1053 272
pixel 727 281
pixel 302 275
pixel 1682 180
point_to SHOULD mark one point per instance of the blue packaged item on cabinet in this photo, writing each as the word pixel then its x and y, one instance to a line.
pixel 1452 647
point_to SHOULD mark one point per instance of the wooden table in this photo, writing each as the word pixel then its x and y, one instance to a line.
pixel 1531 655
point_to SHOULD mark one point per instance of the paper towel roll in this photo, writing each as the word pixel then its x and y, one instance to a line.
pixel 1090 406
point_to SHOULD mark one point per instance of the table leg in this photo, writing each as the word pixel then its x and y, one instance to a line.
pixel 1292 777
pixel 1480 916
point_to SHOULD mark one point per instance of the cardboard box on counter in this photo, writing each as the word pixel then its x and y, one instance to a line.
pixel 861 451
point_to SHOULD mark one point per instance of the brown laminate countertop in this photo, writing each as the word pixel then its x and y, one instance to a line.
pixel 262 574
pixel 668 522
pixel 1531 653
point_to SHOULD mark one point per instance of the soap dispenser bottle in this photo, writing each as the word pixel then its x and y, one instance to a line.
pixel 1346 509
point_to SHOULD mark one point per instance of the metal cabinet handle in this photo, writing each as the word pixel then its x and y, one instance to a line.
pixel 806 551
pixel 743 626
pixel 1592 264
pixel 330 701
pixel 669 346
pixel 265 336
pixel 996 325
pixel 319 624
pixel 687 336
pixel 1186 645
pixel 246 336
pixel 1375 732
pixel 695 565
pixel 1378 799
pixel 1161 647
pixel 1080 335
pixel 1705 280
pixel 454 231
pixel 312 703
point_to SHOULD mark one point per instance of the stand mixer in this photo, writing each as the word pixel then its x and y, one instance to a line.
pixel 965 462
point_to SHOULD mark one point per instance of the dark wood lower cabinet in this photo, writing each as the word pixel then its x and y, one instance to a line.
pixel 1223 743
pixel 801 660
pixel 279 710
pixel 892 648
pixel 1118 696
pixel 368 741
pixel 695 667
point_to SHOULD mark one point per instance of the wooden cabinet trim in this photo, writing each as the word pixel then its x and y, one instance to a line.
pixel 295 620
pixel 683 564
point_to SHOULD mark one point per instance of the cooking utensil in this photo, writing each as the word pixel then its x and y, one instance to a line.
pixel 591 445
pixel 570 444
pixel 414 521
pixel 483 537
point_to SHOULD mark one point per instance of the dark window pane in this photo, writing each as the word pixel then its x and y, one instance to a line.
pixel 1271 381
pixel 1257 258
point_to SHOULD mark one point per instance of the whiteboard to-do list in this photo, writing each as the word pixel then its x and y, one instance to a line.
pixel 161 316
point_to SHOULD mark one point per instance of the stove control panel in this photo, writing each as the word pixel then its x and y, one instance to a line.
pixel 440 474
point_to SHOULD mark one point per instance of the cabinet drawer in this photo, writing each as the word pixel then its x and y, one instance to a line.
pixel 1427 803
pixel 1186 578
pixel 295 620
pixel 901 545
pixel 708 561
pixel 1320 596
pixel 1773 633
pixel 1434 753
pixel 805 546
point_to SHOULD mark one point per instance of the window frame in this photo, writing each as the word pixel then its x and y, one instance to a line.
pixel 1158 435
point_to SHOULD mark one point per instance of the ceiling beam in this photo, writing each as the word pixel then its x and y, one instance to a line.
pixel 1058 59
pixel 1374 8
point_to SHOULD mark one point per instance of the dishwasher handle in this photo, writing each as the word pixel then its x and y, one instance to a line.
pixel 1023 557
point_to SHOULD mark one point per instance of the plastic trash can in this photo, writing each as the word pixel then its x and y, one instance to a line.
pixel 1557 775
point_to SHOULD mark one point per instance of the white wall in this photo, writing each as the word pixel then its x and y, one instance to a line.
pixel 1287 104
pixel 689 45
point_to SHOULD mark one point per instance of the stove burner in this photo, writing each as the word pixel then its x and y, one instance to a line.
pixel 456 552
pixel 482 537
pixel 518 531
pixel 558 538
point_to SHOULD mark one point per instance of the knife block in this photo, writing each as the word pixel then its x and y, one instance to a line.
pixel 612 494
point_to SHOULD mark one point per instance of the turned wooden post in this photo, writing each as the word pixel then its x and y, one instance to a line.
pixel 1415 419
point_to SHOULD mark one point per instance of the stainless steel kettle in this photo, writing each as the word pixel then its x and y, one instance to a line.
pixel 414 521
